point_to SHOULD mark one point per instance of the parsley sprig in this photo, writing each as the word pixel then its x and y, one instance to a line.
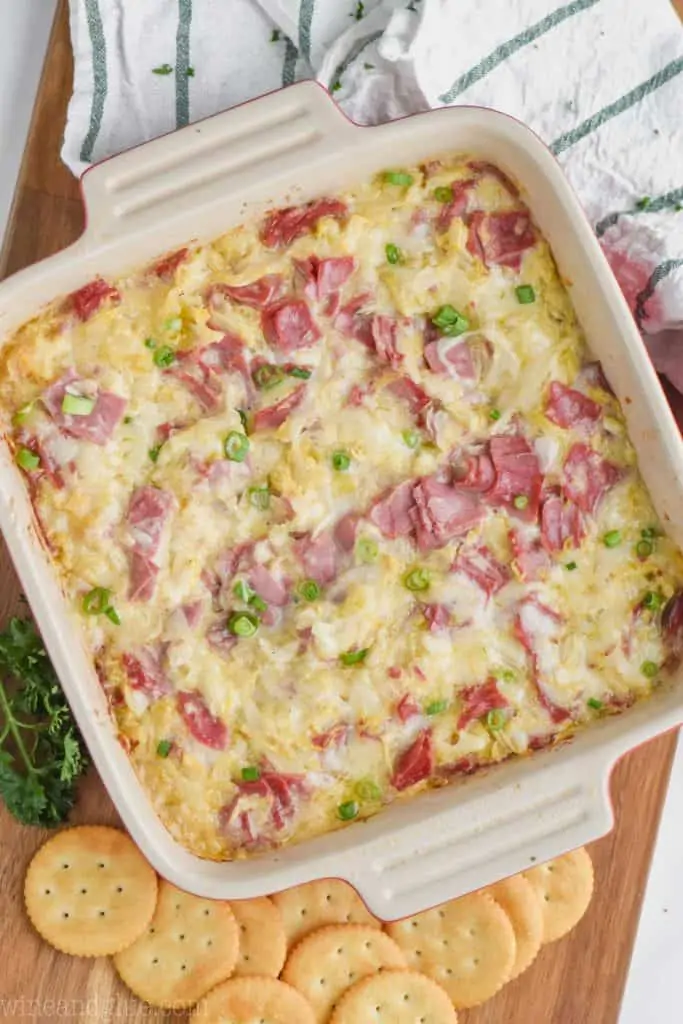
pixel 41 752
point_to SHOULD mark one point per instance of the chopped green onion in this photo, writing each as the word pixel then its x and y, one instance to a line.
pixel 411 438
pixel 275 35
pixel 21 415
pixel 244 420
pixel 243 591
pixel 164 357
pixel 354 657
pixel 252 773
pixel 267 376
pixel 398 178
pixel 649 533
pixel 236 446
pixel 416 580
pixel 96 601
pixel 150 343
pixel 436 707
pixel 163 69
pixel 300 372
pixel 525 294
pixel 174 323
pixel 26 459
pixel 367 550
pixel 495 719
pixel 643 203
pixel 259 497
pixel 258 603
pixel 443 194
pixel 243 624
pixel 594 703
pixel 612 539
pixel 77 405
pixel 450 322
pixel 570 566
pixel 393 252
pixel 506 674
pixel 127 420
pixel 190 72
pixel 520 501
pixel 348 811
pixel 649 669
pixel 336 87
pixel 652 601
pixel 309 590
pixel 154 452
pixel 341 461
pixel 113 615
pixel 494 414
pixel 368 790
pixel 644 548
pixel 164 748
pixel 360 10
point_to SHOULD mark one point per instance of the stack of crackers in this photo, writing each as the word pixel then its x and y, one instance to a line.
pixel 310 955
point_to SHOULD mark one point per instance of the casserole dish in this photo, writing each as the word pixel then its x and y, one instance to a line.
pixel 199 182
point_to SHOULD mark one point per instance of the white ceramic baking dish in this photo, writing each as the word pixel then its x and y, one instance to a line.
pixel 198 182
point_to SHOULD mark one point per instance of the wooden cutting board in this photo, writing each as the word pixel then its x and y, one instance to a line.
pixel 579 980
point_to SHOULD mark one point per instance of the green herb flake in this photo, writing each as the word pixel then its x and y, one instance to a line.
pixel 258 604
pixel 417 580
pixel 411 438
pixel 252 773
pixel 309 590
pixel 150 343
pixel 354 657
pixel 155 452
pixel 243 624
pixel 360 11
pixel 436 707
pixel 164 357
pixel 275 35
pixel 163 69
pixel 348 810
pixel 398 178
pixel 369 67
pixel 341 461
pixel 336 86
pixel 443 194
pixel 244 419
pixel 300 372
pixel 525 294
pixel 450 322
pixel 649 669
pixel 236 446
pixel 393 253
pixel 190 72
pixel 164 748
pixel 652 601
pixel 612 539
pixel 26 459
pixel 570 566
pixel 259 497
pixel 643 203
pixel 594 703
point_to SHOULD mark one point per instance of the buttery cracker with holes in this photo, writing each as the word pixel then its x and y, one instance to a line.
pixel 518 899
pixel 328 901
pixel 89 891
pixel 466 945
pixel 263 946
pixel 564 887
pixel 191 945
pixel 254 1000
pixel 328 961
pixel 395 997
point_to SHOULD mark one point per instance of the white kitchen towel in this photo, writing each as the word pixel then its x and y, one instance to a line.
pixel 601 81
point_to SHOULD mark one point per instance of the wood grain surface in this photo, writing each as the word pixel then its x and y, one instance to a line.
pixel 578 980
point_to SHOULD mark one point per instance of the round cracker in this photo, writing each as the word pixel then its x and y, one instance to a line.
pixel 518 899
pixel 395 997
pixel 466 945
pixel 328 901
pixel 89 891
pixel 191 945
pixel 328 961
pixel 564 887
pixel 246 1000
pixel 263 945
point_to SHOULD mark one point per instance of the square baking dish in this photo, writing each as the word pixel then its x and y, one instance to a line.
pixel 197 183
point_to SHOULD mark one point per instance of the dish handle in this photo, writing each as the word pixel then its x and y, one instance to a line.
pixel 160 181
pixel 540 818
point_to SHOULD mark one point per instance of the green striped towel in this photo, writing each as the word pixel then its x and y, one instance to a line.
pixel 601 81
